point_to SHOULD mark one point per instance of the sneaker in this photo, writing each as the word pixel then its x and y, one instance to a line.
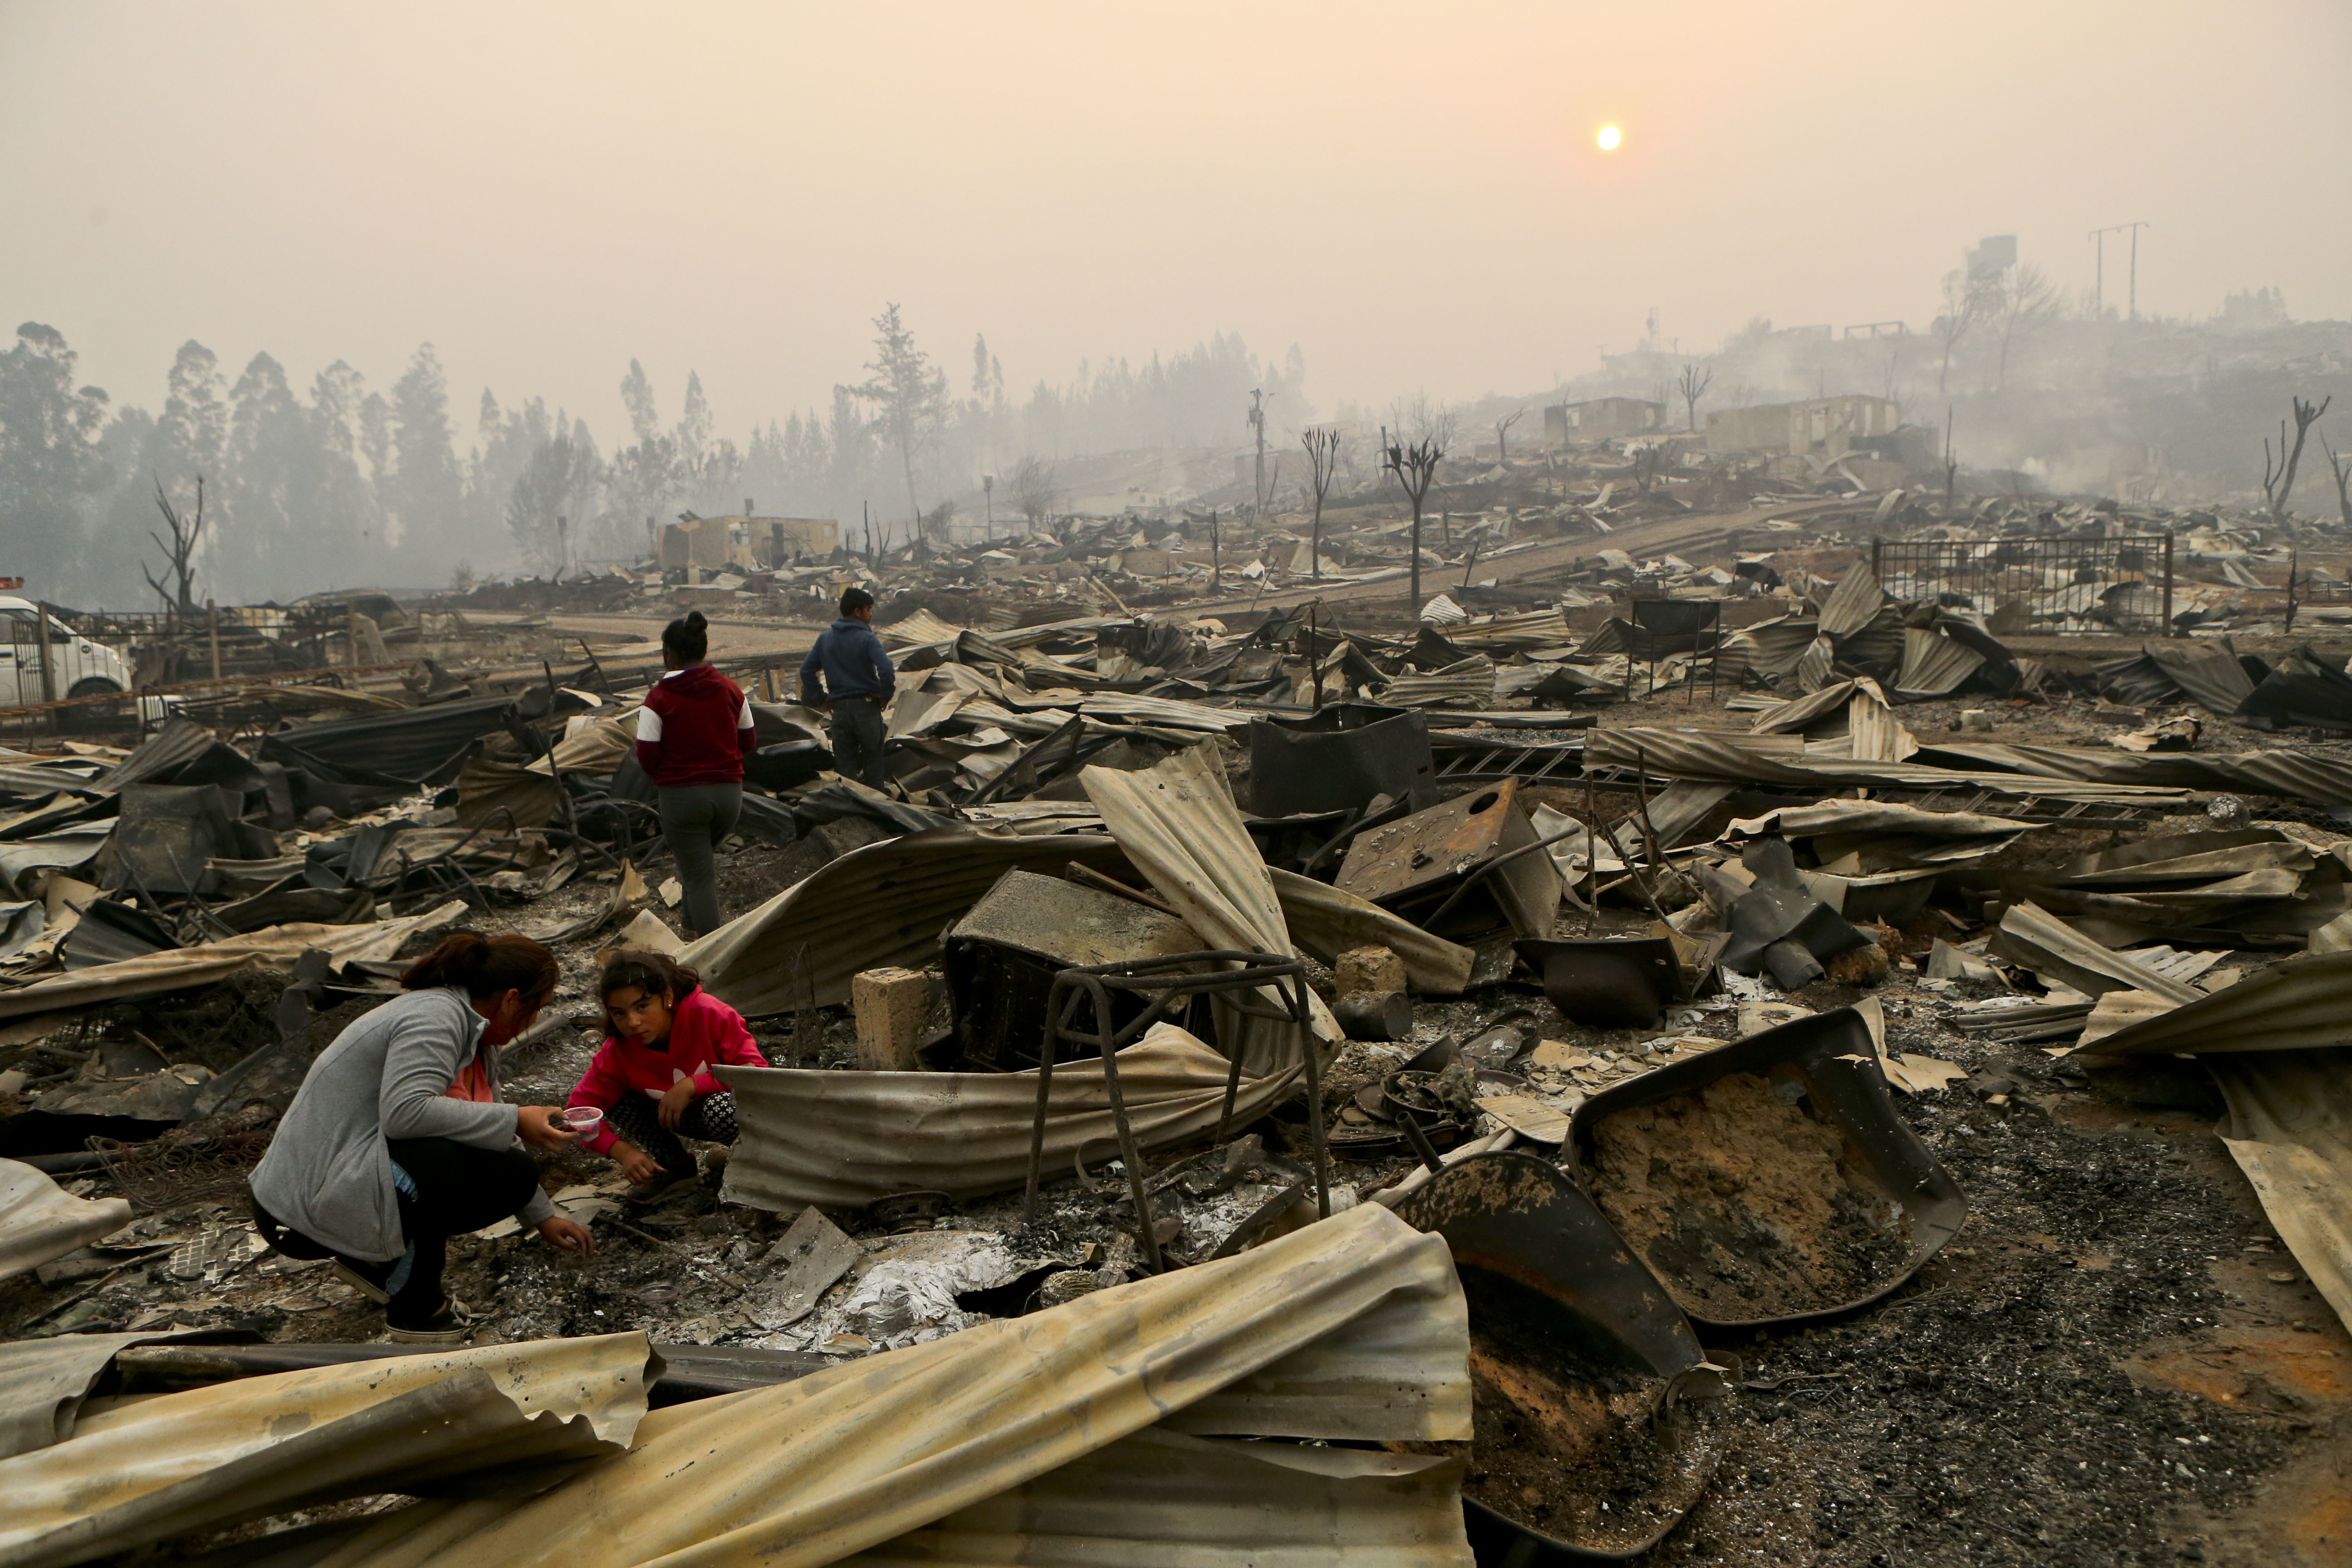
pixel 658 1183
pixel 443 1328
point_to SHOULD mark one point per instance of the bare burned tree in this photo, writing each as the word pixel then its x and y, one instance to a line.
pixel 2278 471
pixel 2342 469
pixel 1692 386
pixel 1414 464
pixel 180 552
pixel 1034 490
pixel 1322 461
pixel 1502 435
pixel 1965 301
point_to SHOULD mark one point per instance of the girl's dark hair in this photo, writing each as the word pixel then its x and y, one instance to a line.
pixel 648 970
pixel 688 638
pixel 487 965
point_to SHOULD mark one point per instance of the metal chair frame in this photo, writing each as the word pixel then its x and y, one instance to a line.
pixel 1167 980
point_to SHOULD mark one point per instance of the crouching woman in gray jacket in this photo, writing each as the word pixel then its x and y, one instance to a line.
pixel 397 1140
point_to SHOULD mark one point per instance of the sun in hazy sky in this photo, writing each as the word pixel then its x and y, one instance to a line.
pixel 1609 137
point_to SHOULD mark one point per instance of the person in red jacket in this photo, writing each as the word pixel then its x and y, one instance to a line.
pixel 692 737
pixel 652 1079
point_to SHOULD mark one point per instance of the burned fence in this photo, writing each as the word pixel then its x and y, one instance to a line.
pixel 2057 583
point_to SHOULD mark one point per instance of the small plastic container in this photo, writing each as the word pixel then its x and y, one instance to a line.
pixel 584 1120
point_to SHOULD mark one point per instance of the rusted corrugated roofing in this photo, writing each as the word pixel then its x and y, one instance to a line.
pixel 1353 1328
pixel 810 1136
pixel 883 904
pixel 163 1466
pixel 2297 1004
pixel 176 969
pixel 1181 828
pixel 2290 1130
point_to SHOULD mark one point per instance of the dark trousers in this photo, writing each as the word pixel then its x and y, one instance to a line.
pixel 460 1189
pixel 694 817
pixel 857 733
pixel 711 1118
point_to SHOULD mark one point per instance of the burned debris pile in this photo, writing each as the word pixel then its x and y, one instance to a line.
pixel 1486 1082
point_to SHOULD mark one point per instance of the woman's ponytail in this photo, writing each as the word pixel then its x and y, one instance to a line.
pixel 487 966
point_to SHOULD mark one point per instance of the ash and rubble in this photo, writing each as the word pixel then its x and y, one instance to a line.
pixel 1996 801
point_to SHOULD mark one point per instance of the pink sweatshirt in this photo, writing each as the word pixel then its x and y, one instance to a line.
pixel 702 1030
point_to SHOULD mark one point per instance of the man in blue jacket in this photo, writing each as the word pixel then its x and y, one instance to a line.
pixel 857 681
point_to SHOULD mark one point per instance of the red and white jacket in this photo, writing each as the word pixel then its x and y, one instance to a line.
pixel 696 728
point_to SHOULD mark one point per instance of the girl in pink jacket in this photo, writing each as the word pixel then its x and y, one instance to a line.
pixel 652 1077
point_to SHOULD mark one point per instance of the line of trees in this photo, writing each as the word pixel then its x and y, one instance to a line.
pixel 340 484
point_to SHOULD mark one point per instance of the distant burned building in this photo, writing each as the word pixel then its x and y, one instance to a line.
pixel 745 543
pixel 1831 425
pixel 1600 419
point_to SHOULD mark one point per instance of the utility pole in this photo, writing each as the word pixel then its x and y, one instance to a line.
pixel 1257 424
pixel 2100 236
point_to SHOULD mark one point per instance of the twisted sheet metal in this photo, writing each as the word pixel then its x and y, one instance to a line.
pixel 2290 1130
pixel 883 904
pixel 2303 1004
pixel 841 1138
pixel 1325 921
pixel 1350 1329
pixel 1853 603
pixel 1181 828
pixel 180 968
pixel 2296 775
pixel 1159 1499
pixel 1933 664
pixel 1734 757
pixel 40 1220
pixel 178 1462
pixel 2032 937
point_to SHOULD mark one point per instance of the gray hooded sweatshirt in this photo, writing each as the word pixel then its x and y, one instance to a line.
pixel 328 1173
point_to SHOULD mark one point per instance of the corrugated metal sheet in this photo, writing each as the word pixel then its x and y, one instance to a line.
pixel 2210 675
pixel 161 1467
pixel 1181 828
pixel 1733 758
pixel 181 967
pixel 1873 732
pixel 2298 775
pixel 1853 603
pixel 40 1220
pixel 1351 1328
pixel 2302 1003
pixel 1795 716
pixel 1770 648
pixel 1875 816
pixel 1324 921
pixel 2030 936
pixel 810 1136
pixel 1469 679
pixel 1533 628
pixel 2290 1130
pixel 1815 664
pixel 1933 664
pixel 1159 1500
pixel 883 904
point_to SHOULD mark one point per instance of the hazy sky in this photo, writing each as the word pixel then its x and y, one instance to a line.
pixel 1409 193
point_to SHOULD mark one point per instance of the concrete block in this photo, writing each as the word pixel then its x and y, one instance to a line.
pixel 1375 971
pixel 890 1006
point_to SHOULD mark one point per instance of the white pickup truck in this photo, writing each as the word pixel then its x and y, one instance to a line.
pixel 83 668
